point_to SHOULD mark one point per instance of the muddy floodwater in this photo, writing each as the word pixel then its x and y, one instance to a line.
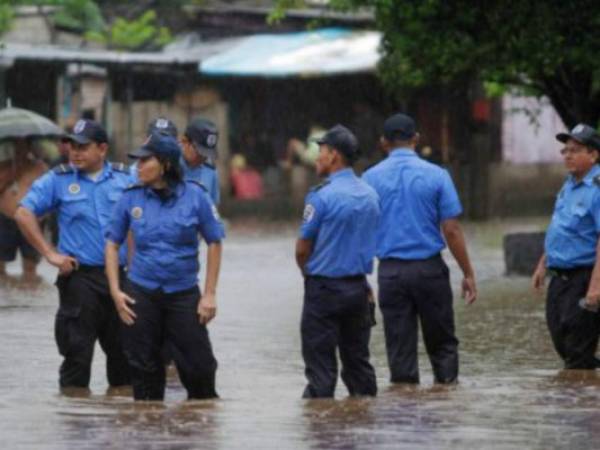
pixel 512 393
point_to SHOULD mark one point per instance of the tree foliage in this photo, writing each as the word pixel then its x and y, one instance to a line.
pixel 546 47
pixel 135 34
pixel 141 32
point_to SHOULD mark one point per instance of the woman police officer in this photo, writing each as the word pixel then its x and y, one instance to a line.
pixel 160 302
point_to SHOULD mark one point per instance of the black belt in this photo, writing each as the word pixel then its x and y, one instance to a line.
pixel 347 278
pixel 85 268
pixel 566 274
pixel 435 257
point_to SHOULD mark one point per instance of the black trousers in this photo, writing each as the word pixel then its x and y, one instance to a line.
pixel 574 330
pixel 87 313
pixel 336 315
pixel 172 320
pixel 409 291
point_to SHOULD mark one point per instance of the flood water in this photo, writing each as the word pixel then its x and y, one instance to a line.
pixel 512 393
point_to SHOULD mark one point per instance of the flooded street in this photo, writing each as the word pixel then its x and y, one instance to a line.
pixel 511 392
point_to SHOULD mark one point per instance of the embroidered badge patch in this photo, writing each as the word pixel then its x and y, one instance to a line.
pixel 137 212
pixel 79 126
pixel 309 213
pixel 74 188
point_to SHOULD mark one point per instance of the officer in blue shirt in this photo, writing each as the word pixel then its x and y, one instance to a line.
pixel 160 125
pixel 571 249
pixel 199 145
pixel 160 303
pixel 83 193
pixel 334 251
pixel 419 208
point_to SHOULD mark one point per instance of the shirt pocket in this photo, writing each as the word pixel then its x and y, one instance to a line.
pixel 74 207
pixel 139 229
pixel 186 229
pixel 577 218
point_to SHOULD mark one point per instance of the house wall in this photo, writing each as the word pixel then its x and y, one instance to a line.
pixel 529 127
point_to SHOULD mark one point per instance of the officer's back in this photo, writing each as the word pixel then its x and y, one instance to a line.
pixel 416 196
pixel 346 211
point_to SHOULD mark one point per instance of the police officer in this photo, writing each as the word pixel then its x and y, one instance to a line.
pixel 160 304
pixel 571 253
pixel 419 208
pixel 83 193
pixel 160 125
pixel 199 145
pixel 334 251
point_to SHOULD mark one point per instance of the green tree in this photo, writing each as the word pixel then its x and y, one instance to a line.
pixel 141 32
pixel 136 34
pixel 543 47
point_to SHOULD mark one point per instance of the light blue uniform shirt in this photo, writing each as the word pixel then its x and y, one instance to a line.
pixel 572 236
pixel 84 207
pixel 415 197
pixel 165 232
pixel 340 217
pixel 205 174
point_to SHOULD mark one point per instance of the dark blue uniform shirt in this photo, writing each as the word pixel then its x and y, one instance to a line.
pixel 415 197
pixel 572 236
pixel 206 175
pixel 341 217
pixel 165 232
pixel 84 207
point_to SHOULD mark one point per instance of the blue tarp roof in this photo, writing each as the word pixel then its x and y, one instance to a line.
pixel 310 53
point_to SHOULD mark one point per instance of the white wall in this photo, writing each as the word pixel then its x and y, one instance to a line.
pixel 530 137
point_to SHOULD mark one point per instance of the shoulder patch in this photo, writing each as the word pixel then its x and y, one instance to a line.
pixel 63 169
pixel 120 167
pixel 198 183
pixel 134 186
pixel 320 186
pixel 597 180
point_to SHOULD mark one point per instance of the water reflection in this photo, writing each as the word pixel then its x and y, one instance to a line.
pixel 512 393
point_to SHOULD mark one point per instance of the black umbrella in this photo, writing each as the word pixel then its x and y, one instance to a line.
pixel 21 123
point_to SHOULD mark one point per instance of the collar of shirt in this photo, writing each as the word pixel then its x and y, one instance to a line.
pixel 588 180
pixel 106 172
pixel 172 193
pixel 344 173
pixel 403 152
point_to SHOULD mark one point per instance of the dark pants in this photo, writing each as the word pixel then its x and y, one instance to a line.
pixel 87 313
pixel 336 315
pixel 412 290
pixel 574 330
pixel 169 319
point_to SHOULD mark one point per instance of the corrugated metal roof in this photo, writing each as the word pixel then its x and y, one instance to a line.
pixel 311 53
pixel 184 55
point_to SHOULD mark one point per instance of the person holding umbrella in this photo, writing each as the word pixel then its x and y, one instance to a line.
pixel 83 193
pixel 19 167
pixel 160 302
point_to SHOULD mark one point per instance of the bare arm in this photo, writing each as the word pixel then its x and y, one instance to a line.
pixel 456 243
pixel 122 300
pixel 30 227
pixel 207 307
pixel 304 248
pixel 537 279
pixel 593 293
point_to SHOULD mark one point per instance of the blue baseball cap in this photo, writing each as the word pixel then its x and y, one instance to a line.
pixel 162 125
pixel 399 126
pixel 342 139
pixel 86 131
pixel 159 144
pixel 204 135
pixel 582 133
